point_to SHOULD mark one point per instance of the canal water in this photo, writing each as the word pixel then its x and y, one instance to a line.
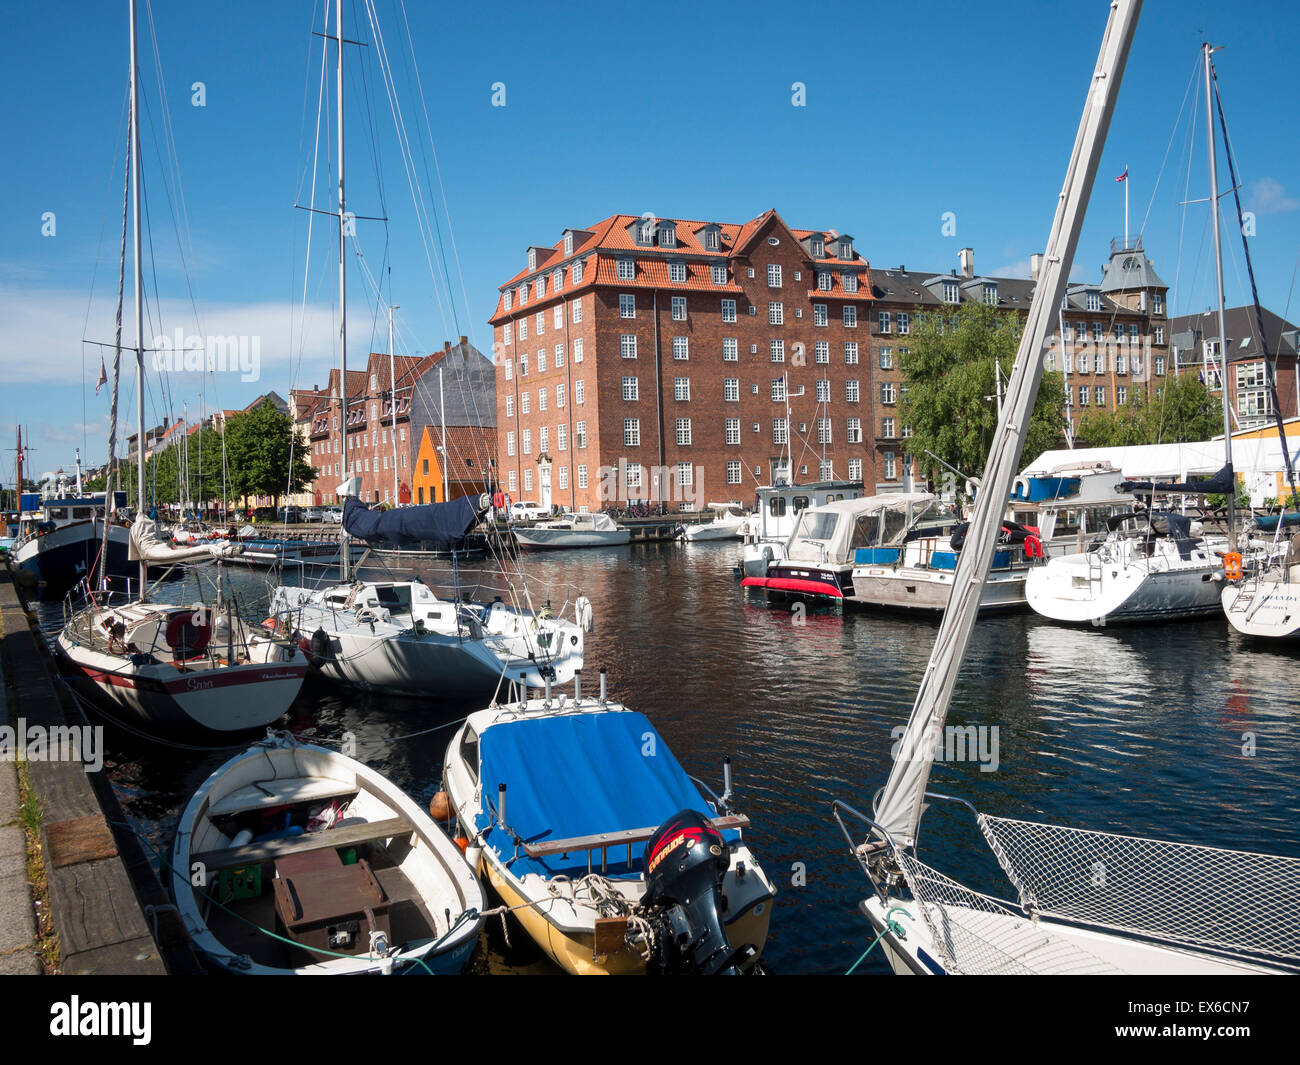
pixel 1183 732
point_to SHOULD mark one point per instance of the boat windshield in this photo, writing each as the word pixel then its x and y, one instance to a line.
pixel 894 525
pixel 816 525
pixel 866 530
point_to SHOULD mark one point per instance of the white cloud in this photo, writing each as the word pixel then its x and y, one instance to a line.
pixel 1267 196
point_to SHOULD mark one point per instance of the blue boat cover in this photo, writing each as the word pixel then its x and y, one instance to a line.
pixel 439 522
pixel 577 775
pixel 1222 483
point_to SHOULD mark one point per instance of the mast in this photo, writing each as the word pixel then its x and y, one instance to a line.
pixel 902 801
pixel 139 295
pixel 345 551
pixel 392 395
pixel 442 410
pixel 18 496
pixel 1207 50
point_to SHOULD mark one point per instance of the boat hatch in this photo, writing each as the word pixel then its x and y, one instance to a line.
pixel 396 598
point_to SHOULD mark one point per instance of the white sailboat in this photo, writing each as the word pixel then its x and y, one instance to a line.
pixel 1086 901
pixel 192 672
pixel 398 636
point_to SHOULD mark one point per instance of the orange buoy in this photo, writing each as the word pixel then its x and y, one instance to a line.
pixel 440 807
pixel 1232 566
pixel 462 843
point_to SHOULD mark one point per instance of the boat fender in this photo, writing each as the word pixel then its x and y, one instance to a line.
pixel 473 855
pixel 463 844
pixel 1033 547
pixel 440 807
pixel 584 615
pixel 318 650
pixel 241 837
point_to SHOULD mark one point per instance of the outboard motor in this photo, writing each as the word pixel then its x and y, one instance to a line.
pixel 685 862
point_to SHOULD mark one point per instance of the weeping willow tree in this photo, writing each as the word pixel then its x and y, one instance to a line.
pixel 949 396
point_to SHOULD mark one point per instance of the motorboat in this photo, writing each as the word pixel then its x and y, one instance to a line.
pixel 778 508
pixel 572 530
pixel 610 856
pixel 293 859
pixel 730 520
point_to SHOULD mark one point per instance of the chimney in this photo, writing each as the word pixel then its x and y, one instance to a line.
pixel 463 341
pixel 1035 265
pixel 966 257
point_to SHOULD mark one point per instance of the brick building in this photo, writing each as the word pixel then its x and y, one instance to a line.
pixel 683 361
pixel 382 442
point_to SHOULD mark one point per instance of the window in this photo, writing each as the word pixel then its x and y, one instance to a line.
pixel 1159 332
pixel 510 406
pixel 685 474
pixel 776 350
pixel 577 311
pixel 557 316
pixel 886 358
pixel 851 391
pixel 904 322
pixel 626 270
pixel 631 432
pixel 681 348
pixel 527 437
pixel 778 389
pixel 887 428
pixel 677 273
pixel 851 352
pixel 1158 303
pixel 667 235
pixel 524 403
pixel 580 434
pixel 991 295
pixel 1080 330
pixel 557 280
pixel 951 293
pixel 627 345
pixel 1121 364
pixel 683 431
pixel 510 447
pixel 679 308
pixel 731 390
pixel 541 399
pixel 855 469
pixel 1083 395
pixel 582 476
pixel 510 298
pixel 728 310
pixel 1097 330
pixel 541 322
pixel 1121 395
pixel 1094 301
pixel 559 355
pixel 718 271
pixel 854 429
pixel 733 471
pixel 523 293
pixel 1135 363
pixel 564 473
pixel 544 439
pixel 559 395
pixel 711 240
pixel 822 352
pixel 626 305
pixel 577 273
pixel 541 360
pixel 577 350
pixel 733 431
pixel 775 314
pixel 780 433
pixel 1099 395
pixel 523 328
pixel 823 430
pixel 730 350
pixel 850 282
pixel 632 474
pixel 888 393
pixel 890 466
pixel 1098 362
pixel 823 280
pixel 851 319
pixel 818 248
pixel 820 316
pixel 773 275
pixel 682 389
pixel 513 483
pixel 823 391
pixel 1132 332
pixel 528 480
pixel 883 321
pixel 1160 365
pixel 631 391
pixel 579 392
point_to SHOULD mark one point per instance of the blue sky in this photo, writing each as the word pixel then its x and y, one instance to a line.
pixel 678 109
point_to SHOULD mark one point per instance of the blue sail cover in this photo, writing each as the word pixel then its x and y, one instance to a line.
pixel 1222 483
pixel 577 775
pixel 440 522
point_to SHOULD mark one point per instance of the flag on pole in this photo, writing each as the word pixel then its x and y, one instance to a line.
pixel 1123 176
pixel 103 376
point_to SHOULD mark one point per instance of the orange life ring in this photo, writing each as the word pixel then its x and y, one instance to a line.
pixel 184 637
pixel 1232 566
pixel 1033 547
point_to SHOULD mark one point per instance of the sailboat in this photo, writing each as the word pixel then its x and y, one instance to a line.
pixel 183 672
pixel 399 637
pixel 1086 901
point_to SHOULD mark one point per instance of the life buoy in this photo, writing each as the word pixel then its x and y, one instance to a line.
pixel 1033 547
pixel 1232 566
pixel 187 637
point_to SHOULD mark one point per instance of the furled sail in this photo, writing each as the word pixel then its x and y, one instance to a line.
pixel 1222 483
pixel 437 522
pixel 148 545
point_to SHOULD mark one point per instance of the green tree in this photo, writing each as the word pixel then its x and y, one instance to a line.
pixel 259 446
pixel 948 387
pixel 1183 409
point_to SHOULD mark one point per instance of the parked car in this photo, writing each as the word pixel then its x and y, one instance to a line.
pixel 334 515
pixel 291 515
pixel 527 511
pixel 313 515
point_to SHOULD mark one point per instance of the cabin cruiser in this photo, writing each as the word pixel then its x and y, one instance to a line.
pixel 572 530
pixel 776 511
pixel 730 521
pixel 60 537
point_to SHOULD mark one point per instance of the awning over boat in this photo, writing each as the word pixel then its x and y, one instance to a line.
pixel 578 775
pixel 437 522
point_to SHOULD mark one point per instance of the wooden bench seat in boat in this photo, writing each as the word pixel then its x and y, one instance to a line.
pixel 286 792
pixel 333 909
pixel 272 850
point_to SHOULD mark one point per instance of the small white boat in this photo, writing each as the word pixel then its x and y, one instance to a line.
pixel 584 823
pixel 729 523
pixel 572 530
pixel 1265 601
pixel 347 867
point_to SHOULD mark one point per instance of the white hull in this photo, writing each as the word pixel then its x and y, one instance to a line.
pixel 419 861
pixel 1263 607
pixel 929 590
pixel 537 539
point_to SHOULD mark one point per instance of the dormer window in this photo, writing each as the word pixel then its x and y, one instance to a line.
pixel 523 293
pixel 645 232
pixel 846 249
pixel 626 270
pixel 677 273
pixel 510 298
pixel 711 242
pixel 541 287
pixel 951 292
pixel 577 271
pixel 823 280
pixel 532 258
pixel 1094 301
pixel 818 248
pixel 667 235
pixel 557 280
pixel 991 295
pixel 850 282
pixel 568 243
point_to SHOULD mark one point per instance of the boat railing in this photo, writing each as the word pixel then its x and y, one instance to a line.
pixel 603 841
